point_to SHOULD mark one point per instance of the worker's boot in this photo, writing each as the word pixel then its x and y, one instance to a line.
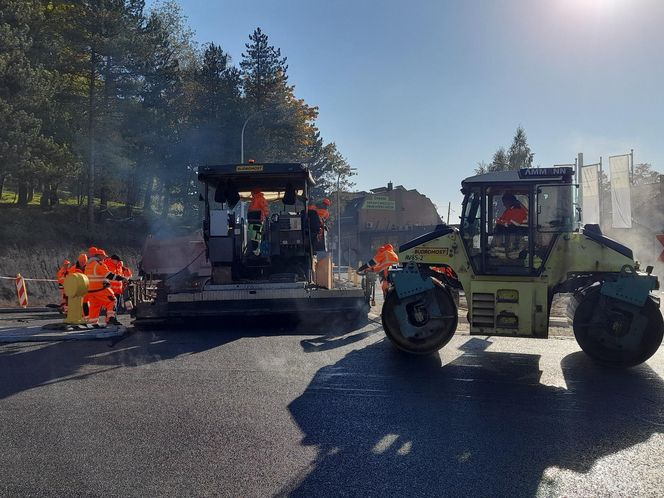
pixel 113 321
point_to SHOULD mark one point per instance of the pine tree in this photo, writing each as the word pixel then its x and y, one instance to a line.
pixel 500 161
pixel 263 71
pixel 218 109
pixel 25 89
pixel 520 155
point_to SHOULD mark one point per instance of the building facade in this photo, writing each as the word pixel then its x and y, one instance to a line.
pixel 384 215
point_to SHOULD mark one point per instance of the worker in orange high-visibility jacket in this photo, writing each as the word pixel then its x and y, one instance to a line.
pixel 258 210
pixel 62 274
pixel 127 273
pixel 384 259
pixel 371 264
pixel 323 209
pixel 114 264
pixel 82 260
pixel 259 203
pixel 100 295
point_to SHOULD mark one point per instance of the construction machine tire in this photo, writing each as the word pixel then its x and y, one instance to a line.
pixel 430 341
pixel 602 330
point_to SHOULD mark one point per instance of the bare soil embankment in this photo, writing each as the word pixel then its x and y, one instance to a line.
pixel 34 243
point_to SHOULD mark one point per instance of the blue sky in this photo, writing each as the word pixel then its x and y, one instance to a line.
pixel 417 92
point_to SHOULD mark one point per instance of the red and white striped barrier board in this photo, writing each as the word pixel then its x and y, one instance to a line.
pixel 21 291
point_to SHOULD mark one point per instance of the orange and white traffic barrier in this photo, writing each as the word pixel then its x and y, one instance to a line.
pixel 21 291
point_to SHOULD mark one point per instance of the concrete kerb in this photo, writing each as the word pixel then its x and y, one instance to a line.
pixel 37 334
pixel 28 310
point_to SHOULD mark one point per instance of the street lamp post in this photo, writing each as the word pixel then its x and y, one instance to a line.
pixel 242 135
pixel 350 173
pixel 277 107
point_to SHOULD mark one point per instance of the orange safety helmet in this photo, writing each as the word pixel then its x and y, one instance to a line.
pixel 95 251
pixel 82 259
pixel 388 247
pixel 66 262
pixel 327 202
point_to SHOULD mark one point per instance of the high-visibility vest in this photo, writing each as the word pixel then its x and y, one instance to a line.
pixel 323 213
pixel 62 274
pixel 127 273
pixel 384 260
pixel 97 272
pixel 115 267
pixel 258 203
pixel 514 216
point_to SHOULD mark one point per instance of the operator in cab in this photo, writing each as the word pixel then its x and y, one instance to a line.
pixel 515 213
pixel 257 212
pixel 506 242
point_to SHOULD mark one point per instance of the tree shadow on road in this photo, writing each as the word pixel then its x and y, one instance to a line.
pixel 481 425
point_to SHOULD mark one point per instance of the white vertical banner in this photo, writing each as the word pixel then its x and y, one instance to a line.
pixel 590 194
pixel 621 202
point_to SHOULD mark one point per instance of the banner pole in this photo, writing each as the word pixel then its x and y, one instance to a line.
pixel 579 181
pixel 599 192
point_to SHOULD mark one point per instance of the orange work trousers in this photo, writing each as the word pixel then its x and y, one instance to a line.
pixel 98 300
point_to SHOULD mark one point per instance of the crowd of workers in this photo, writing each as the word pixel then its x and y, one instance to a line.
pixel 107 284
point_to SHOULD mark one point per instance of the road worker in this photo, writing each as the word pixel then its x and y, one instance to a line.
pixel 127 273
pixel 100 295
pixel 259 204
pixel 381 263
pixel 369 265
pixel 82 260
pixel 114 264
pixel 515 213
pixel 62 274
pixel 257 212
pixel 389 258
pixel 322 209
pixel 508 241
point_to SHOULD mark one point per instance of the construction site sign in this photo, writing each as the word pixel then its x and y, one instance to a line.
pixel 379 202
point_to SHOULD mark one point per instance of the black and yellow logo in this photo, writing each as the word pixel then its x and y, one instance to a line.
pixel 246 168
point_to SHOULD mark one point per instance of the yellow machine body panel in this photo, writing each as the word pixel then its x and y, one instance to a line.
pixel 577 253
pixel 508 305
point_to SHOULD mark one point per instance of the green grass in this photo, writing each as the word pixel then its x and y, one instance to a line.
pixel 65 199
